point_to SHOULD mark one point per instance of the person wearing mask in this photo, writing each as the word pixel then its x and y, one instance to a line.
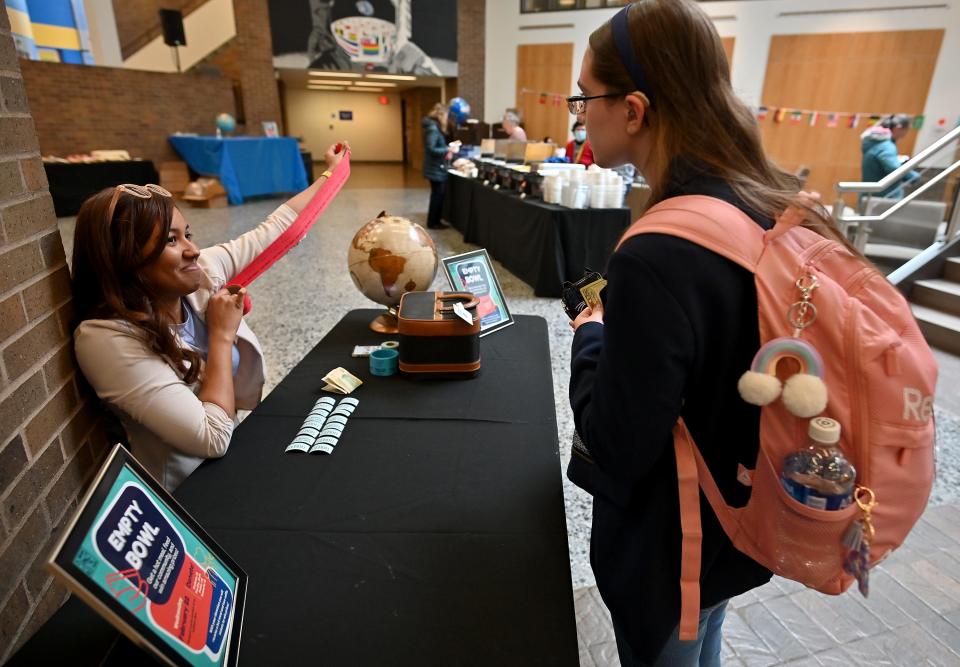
pixel 511 125
pixel 159 338
pixel 578 149
pixel 880 156
pixel 436 158
pixel 676 328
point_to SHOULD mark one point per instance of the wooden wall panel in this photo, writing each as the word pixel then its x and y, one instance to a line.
pixel 728 44
pixel 875 72
pixel 544 68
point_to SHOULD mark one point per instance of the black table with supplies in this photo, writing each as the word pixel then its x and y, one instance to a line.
pixel 433 535
pixel 542 244
pixel 71 183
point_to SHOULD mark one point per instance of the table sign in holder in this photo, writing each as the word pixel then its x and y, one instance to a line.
pixel 137 558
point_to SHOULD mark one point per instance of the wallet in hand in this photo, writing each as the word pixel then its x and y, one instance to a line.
pixel 572 298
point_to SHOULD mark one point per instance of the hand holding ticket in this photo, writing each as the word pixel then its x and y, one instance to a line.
pixel 591 292
pixel 341 381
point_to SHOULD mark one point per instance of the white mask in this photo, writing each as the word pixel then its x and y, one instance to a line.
pixel 580 136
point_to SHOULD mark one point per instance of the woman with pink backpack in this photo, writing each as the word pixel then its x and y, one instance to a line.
pixel 713 270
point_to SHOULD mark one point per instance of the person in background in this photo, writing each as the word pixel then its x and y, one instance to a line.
pixel 436 156
pixel 511 125
pixel 880 155
pixel 578 148
pixel 159 338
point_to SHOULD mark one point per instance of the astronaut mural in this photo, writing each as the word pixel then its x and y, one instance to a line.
pixel 395 36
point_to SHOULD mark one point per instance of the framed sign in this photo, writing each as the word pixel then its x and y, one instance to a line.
pixel 472 272
pixel 270 129
pixel 134 554
pixel 346 115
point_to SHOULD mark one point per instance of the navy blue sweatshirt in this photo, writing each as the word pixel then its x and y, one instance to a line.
pixel 680 327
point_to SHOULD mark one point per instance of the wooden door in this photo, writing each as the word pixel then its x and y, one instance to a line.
pixel 544 68
pixel 872 72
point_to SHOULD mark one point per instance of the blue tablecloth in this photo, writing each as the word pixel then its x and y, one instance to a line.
pixel 246 166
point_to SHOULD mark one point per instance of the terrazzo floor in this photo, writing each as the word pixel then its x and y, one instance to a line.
pixel 302 297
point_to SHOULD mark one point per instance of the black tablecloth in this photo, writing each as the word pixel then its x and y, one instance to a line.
pixel 542 244
pixel 434 534
pixel 71 184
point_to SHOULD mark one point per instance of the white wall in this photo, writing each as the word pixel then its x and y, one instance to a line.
pixel 207 28
pixel 375 133
pixel 753 23
pixel 104 43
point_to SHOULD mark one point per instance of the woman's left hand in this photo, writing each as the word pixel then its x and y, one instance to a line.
pixel 588 314
pixel 332 157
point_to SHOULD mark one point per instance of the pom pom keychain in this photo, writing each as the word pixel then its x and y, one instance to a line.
pixel 805 393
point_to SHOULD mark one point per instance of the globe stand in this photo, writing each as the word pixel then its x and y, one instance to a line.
pixel 386 323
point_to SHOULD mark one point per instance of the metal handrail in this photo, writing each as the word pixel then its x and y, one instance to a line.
pixel 898 173
pixel 862 230
pixel 905 200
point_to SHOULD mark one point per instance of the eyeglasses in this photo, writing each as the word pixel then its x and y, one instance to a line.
pixel 139 191
pixel 578 103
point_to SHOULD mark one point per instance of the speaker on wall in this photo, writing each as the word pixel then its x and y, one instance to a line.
pixel 172 22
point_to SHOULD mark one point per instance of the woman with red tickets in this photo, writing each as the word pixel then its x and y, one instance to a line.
pixel 159 337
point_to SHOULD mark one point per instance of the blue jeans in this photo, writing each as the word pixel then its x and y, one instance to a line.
pixel 702 652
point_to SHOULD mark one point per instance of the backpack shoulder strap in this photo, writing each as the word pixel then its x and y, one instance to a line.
pixel 707 221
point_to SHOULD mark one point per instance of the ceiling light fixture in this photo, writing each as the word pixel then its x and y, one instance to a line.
pixel 382 84
pixel 342 75
pixel 396 77
pixel 330 82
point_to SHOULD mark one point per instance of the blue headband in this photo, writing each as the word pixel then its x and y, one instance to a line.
pixel 621 37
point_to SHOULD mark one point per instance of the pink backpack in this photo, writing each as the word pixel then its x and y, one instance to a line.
pixel 880 375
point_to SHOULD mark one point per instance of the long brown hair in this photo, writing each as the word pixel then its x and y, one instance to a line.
pixel 695 113
pixel 108 255
pixel 439 114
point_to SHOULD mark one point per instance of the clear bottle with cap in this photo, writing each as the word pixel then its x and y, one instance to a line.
pixel 819 475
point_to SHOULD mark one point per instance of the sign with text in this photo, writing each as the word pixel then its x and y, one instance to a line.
pixel 473 272
pixel 135 556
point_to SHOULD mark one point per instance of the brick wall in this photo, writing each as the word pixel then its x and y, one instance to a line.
pixel 78 108
pixel 471 50
pixel 50 438
pixel 247 59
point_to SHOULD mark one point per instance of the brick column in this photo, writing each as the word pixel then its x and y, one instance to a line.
pixel 248 60
pixel 50 441
pixel 471 50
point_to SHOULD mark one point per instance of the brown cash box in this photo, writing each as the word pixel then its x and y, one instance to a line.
pixel 434 341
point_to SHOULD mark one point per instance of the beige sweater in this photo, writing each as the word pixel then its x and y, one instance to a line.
pixel 170 430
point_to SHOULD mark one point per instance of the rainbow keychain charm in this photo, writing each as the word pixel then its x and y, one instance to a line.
pixel 805 393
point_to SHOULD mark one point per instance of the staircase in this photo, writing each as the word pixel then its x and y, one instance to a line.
pixel 936 305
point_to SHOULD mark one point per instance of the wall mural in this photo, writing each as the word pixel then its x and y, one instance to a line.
pixel 51 30
pixel 396 36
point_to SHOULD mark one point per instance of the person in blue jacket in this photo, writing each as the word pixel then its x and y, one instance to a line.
pixel 880 155
pixel 436 155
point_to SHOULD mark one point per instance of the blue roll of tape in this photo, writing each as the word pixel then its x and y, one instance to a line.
pixel 384 362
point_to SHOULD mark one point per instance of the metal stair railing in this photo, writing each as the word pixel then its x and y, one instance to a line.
pixel 862 222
